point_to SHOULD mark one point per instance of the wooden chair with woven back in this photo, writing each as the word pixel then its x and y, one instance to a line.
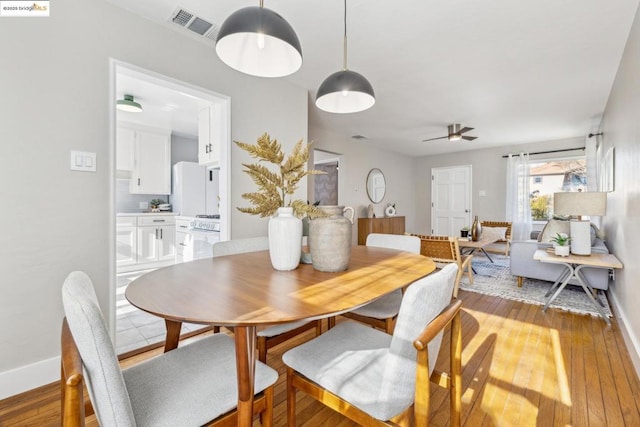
pixel 507 232
pixel 446 250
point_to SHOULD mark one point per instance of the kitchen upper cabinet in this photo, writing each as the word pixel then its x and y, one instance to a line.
pixel 210 131
pixel 151 172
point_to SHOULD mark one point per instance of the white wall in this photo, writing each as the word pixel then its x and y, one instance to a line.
pixel 621 129
pixel 357 160
pixel 489 174
pixel 55 98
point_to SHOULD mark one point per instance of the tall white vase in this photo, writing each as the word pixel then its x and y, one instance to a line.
pixel 285 240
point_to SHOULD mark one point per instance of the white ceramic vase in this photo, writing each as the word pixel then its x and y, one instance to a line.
pixel 285 240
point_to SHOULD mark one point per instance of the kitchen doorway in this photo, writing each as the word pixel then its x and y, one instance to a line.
pixel 171 112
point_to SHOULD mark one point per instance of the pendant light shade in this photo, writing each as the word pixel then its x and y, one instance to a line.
pixel 345 91
pixel 259 42
pixel 128 104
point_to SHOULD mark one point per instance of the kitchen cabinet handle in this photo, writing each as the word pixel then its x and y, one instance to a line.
pixel 156 234
pixel 138 182
pixel 183 226
pixel 161 233
pixel 158 220
pixel 182 244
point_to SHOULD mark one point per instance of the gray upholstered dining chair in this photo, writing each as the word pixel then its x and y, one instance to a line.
pixel 189 386
pixel 273 335
pixel 374 378
pixel 382 313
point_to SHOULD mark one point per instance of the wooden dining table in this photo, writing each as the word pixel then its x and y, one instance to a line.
pixel 244 292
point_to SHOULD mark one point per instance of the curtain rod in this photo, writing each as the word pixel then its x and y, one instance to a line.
pixel 546 152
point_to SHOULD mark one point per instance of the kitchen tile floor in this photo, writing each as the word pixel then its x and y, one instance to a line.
pixel 135 328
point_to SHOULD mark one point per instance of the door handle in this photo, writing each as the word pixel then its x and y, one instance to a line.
pixel 466 211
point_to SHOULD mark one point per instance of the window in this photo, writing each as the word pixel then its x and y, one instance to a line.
pixel 554 176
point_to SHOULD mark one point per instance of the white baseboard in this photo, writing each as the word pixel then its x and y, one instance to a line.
pixel 28 377
pixel 632 343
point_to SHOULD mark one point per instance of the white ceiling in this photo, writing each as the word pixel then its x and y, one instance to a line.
pixel 515 71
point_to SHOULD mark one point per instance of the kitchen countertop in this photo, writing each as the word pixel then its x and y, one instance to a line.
pixel 161 213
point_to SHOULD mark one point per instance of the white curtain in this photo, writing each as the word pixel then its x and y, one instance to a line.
pixel 518 204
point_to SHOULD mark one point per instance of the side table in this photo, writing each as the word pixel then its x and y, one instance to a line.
pixel 574 264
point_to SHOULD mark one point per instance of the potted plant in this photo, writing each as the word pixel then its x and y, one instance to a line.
pixel 155 203
pixel 274 188
pixel 561 244
pixel 464 232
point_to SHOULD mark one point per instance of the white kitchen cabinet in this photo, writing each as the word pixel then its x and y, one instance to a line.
pixel 210 131
pixel 156 239
pixel 126 241
pixel 151 173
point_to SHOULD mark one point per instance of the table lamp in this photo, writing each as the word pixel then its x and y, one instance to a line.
pixel 590 203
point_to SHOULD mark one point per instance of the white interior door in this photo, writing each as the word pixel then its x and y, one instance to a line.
pixel 450 200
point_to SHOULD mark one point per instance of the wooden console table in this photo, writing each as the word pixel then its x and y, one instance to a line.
pixel 384 225
pixel 574 264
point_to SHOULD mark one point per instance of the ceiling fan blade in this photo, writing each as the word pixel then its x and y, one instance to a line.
pixel 464 129
pixel 433 139
pixel 469 138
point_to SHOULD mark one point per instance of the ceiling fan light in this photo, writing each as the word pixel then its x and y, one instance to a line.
pixel 344 92
pixel 259 42
pixel 455 137
pixel 128 104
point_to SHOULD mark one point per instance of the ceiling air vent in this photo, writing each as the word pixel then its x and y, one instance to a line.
pixel 359 137
pixel 191 22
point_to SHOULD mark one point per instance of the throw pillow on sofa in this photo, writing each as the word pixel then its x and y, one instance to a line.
pixel 494 233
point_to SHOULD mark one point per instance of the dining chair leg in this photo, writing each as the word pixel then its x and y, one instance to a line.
pixel 291 399
pixel 262 349
pixel 266 416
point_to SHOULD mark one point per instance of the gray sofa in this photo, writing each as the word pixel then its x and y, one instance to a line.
pixel 523 264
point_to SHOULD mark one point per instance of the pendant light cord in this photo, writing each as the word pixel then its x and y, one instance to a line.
pixel 344 59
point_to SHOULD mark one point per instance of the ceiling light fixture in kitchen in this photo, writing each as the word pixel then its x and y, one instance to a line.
pixel 259 42
pixel 345 91
pixel 128 104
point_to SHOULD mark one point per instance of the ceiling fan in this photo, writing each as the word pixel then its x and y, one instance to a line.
pixel 455 134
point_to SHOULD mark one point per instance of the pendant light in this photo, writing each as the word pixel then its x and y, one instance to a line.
pixel 259 42
pixel 128 104
pixel 345 91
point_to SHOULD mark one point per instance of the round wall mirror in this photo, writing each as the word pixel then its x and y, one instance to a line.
pixel 376 185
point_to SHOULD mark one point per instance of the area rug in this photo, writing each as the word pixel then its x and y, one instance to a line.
pixel 495 279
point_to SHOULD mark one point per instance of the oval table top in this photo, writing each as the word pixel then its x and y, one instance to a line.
pixel 245 290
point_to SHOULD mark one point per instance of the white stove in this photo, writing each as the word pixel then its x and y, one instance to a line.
pixel 205 224
pixel 195 237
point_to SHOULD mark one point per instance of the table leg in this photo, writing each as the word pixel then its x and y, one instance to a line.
pixel 586 286
pixel 173 334
pixel 245 339
pixel 569 274
pixel 557 282
pixel 487 255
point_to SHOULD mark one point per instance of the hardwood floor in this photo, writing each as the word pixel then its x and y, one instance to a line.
pixel 521 367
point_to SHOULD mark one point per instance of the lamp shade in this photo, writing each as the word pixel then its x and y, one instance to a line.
pixel 590 203
pixel 345 92
pixel 128 104
pixel 259 42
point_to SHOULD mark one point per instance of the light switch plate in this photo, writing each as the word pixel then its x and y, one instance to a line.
pixel 83 161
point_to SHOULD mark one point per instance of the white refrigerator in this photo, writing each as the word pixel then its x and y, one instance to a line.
pixel 195 189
